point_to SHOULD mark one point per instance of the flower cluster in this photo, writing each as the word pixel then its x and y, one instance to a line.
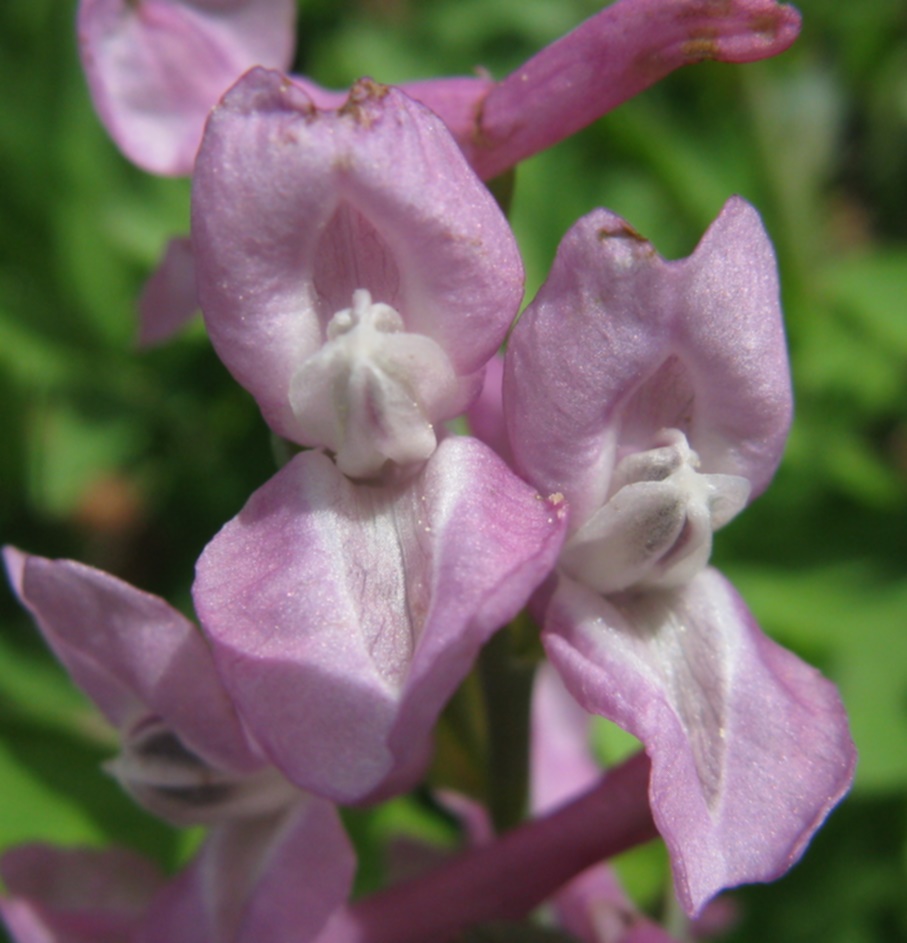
pixel 358 279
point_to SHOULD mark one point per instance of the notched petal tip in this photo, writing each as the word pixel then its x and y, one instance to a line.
pixel 616 228
pixel 265 91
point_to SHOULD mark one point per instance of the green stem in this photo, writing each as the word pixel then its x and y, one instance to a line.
pixel 506 671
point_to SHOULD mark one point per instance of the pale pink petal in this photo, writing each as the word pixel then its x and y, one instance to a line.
pixel 276 879
pixel 611 57
pixel 592 906
pixel 132 654
pixel 750 747
pixel 595 909
pixel 456 101
pixel 155 68
pixel 486 413
pixel 561 762
pixel 168 299
pixel 295 209
pixel 61 895
pixel 471 815
pixel 342 616
pixel 619 344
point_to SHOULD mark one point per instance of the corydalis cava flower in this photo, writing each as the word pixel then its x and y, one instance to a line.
pixel 343 615
pixel 276 862
pixel 655 396
pixel 354 274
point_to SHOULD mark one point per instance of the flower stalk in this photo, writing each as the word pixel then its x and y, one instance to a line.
pixel 509 877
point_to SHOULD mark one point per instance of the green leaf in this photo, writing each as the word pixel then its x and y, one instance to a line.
pixel 871 289
pixel 853 626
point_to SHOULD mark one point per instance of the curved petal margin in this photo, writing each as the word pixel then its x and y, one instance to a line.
pixel 342 616
pixel 750 747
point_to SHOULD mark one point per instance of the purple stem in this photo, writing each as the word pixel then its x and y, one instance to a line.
pixel 512 875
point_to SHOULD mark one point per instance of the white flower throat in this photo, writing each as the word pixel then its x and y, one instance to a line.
pixel 655 529
pixel 373 392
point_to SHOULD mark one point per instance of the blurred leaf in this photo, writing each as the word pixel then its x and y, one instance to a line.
pixel 40 689
pixel 854 627
pixel 872 289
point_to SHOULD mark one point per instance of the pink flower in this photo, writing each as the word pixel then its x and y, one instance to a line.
pixel 655 397
pixel 276 862
pixel 155 68
pixel 343 615
pixel 354 274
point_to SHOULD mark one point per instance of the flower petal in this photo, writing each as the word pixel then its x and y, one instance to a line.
pixel 343 616
pixel 169 298
pixel 59 895
pixel 611 57
pixel 131 653
pixel 485 415
pixel 561 759
pixel 750 747
pixel 295 209
pixel 277 879
pixel 456 101
pixel 155 68
pixel 619 344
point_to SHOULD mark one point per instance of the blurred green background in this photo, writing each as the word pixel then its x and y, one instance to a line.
pixel 131 461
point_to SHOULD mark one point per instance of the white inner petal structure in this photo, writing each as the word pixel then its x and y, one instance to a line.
pixel 655 529
pixel 373 392
pixel 170 780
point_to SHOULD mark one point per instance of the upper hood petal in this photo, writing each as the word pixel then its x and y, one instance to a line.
pixel 294 209
pixel 619 344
